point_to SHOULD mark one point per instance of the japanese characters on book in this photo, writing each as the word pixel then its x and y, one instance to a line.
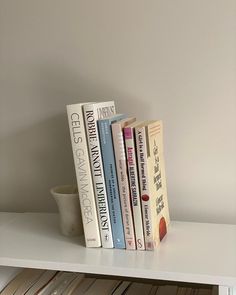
pixel 120 171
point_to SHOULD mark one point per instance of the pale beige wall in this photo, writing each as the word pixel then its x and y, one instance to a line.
pixel 168 59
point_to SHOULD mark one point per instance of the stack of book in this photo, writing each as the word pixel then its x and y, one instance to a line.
pixel 50 282
pixel 120 172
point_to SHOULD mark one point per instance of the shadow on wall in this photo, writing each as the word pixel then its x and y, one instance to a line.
pixel 34 160
pixel 39 156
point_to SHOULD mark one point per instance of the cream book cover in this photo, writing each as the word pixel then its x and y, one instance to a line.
pixel 153 188
pixel 92 113
pixel 83 174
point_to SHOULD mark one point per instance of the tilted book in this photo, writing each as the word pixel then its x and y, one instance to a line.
pixel 149 141
pixel 130 147
pixel 92 113
pixel 109 166
pixel 83 175
pixel 123 181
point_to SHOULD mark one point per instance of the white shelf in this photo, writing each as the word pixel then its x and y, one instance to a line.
pixel 191 252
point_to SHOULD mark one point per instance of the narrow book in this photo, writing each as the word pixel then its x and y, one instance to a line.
pixel 92 113
pixel 134 184
pixel 149 142
pixel 109 166
pixel 83 175
pixel 123 181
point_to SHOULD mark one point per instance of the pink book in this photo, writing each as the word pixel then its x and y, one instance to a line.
pixel 123 181
pixel 134 183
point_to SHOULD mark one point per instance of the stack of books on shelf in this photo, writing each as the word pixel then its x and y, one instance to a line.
pixel 119 163
pixel 50 282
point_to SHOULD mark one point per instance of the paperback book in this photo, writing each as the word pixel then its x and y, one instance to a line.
pixel 83 174
pixel 92 113
pixel 149 142
pixel 108 158
pixel 123 181
pixel 134 184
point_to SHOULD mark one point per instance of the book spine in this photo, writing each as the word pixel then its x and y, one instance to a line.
pixel 134 186
pixel 142 156
pixel 108 158
pixel 122 176
pixel 83 175
pixel 160 212
pixel 98 175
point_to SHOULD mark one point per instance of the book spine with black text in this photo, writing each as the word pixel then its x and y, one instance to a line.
pixel 83 175
pixel 153 182
pixel 92 113
pixel 140 136
pixel 134 185
pixel 123 181
pixel 106 143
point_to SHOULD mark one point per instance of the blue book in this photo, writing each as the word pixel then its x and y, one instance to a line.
pixel 109 166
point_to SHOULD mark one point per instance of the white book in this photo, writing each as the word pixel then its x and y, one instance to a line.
pixel 92 113
pixel 102 287
pixel 139 289
pixel 130 147
pixel 83 174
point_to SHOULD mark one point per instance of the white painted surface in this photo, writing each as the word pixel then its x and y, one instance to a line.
pixel 173 60
pixel 192 252
pixel 224 290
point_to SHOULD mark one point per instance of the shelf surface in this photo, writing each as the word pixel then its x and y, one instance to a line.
pixel 191 252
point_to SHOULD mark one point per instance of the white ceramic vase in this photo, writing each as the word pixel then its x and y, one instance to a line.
pixel 67 199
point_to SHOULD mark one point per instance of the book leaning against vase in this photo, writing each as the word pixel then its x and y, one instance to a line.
pixel 92 113
pixel 109 166
pixel 83 174
pixel 151 167
pixel 123 181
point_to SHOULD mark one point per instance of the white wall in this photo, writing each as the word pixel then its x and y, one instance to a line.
pixel 168 59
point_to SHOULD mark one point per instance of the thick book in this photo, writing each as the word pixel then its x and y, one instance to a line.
pixel 151 167
pixel 123 181
pixel 109 166
pixel 92 113
pixel 83 175
pixel 130 147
